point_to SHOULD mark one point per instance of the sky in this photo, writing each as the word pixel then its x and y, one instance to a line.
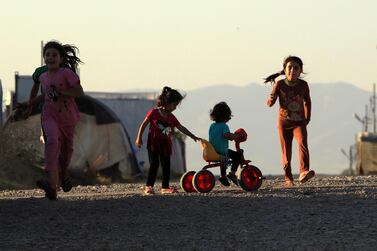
pixel 146 44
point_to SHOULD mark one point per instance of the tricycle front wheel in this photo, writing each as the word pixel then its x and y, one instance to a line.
pixel 250 178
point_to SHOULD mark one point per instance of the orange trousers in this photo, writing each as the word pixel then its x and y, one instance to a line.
pixel 286 135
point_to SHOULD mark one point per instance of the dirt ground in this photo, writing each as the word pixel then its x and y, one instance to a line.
pixel 327 213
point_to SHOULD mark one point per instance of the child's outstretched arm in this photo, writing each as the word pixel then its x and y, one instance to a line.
pixel 187 132
pixel 139 137
pixel 232 136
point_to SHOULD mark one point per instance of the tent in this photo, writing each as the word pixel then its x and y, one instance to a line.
pixel 131 109
pixel 367 153
pixel 105 135
pixel 100 139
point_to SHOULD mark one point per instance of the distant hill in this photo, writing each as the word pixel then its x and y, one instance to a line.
pixel 332 126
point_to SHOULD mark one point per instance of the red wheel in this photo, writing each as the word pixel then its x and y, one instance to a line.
pixel 250 178
pixel 203 181
pixel 186 182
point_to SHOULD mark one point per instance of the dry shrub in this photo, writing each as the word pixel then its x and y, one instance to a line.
pixel 20 155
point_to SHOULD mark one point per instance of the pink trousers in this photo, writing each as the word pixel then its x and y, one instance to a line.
pixel 58 145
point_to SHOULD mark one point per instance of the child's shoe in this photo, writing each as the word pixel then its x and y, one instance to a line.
pixel 66 184
pixel 305 176
pixel 50 193
pixel 169 190
pixel 233 178
pixel 224 181
pixel 148 190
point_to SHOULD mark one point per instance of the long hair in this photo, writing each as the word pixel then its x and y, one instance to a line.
pixel 67 52
pixel 169 96
pixel 221 112
pixel 288 59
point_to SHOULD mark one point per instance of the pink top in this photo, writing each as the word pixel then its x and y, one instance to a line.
pixel 160 130
pixel 63 109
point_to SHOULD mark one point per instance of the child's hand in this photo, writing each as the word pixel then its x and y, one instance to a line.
pixel 196 138
pixel 139 142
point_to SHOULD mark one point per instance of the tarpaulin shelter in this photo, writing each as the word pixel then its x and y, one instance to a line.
pixel 131 109
pixel 99 133
pixel 106 131
pixel 367 153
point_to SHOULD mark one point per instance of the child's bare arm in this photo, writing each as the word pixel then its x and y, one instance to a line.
pixel 73 92
pixel 139 140
pixel 232 136
pixel 36 100
pixel 273 96
pixel 187 132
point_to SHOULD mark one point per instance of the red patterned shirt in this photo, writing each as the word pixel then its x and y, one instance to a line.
pixel 294 100
pixel 160 129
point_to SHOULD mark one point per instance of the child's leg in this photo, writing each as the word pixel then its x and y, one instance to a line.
pixel 301 135
pixel 286 137
pixel 236 160
pixel 165 163
pixel 53 178
pixel 223 165
pixel 67 134
pixel 152 173
pixel 52 149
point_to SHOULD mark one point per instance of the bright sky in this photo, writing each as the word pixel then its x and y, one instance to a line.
pixel 145 44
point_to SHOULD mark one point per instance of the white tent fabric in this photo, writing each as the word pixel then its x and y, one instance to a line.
pixel 131 109
pixel 101 146
pixel 100 139
pixel 105 136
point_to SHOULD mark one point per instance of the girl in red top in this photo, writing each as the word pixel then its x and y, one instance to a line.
pixel 161 124
pixel 294 115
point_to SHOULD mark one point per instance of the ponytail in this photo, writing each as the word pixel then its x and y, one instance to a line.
pixel 272 77
pixel 166 90
pixel 70 59
pixel 168 96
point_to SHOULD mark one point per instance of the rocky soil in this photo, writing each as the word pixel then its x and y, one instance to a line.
pixel 327 213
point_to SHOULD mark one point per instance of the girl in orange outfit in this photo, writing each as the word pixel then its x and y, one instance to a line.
pixel 294 115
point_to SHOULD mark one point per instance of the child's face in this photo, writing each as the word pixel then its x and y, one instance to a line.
pixel 171 107
pixel 52 59
pixel 292 71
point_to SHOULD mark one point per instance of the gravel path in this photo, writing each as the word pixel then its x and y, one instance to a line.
pixel 328 213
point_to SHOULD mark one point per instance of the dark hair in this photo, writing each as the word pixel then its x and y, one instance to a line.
pixel 169 96
pixel 67 52
pixel 221 112
pixel 288 59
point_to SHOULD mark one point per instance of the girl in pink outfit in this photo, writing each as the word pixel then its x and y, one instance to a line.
pixel 294 115
pixel 60 85
pixel 161 124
